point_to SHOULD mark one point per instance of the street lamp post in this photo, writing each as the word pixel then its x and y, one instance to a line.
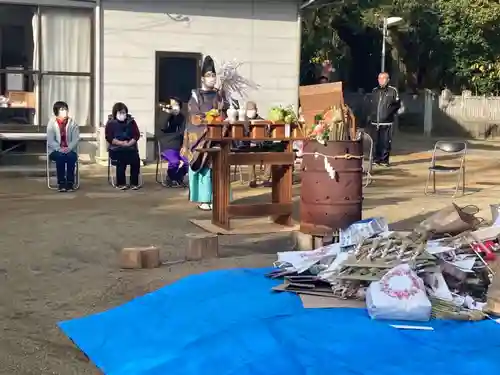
pixel 388 22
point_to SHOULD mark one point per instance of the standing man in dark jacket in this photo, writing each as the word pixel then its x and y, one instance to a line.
pixel 173 125
pixel 385 104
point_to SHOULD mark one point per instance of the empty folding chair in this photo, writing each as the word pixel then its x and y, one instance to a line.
pixel 51 176
pixel 450 152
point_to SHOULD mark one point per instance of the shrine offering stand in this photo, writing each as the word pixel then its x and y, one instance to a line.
pixel 223 156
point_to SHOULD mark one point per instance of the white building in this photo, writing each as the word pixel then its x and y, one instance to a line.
pixel 93 53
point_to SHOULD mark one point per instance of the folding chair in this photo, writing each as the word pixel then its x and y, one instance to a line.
pixel 238 171
pixel 50 176
pixel 456 150
pixel 112 172
pixel 161 171
pixel 367 157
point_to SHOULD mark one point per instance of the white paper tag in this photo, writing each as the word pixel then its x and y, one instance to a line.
pixel 287 130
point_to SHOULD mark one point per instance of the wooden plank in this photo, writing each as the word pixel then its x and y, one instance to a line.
pixel 282 180
pixel 261 209
pixel 246 226
pixel 220 186
pixel 257 158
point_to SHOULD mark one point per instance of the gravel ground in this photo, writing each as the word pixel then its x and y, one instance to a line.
pixel 59 254
pixel 59 251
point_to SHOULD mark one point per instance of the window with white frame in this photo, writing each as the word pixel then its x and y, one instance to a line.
pixel 46 55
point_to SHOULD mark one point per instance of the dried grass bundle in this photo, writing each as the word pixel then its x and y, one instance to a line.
pixel 442 309
pixel 232 83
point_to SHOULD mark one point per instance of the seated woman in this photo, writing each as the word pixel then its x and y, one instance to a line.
pixel 63 136
pixel 122 134
pixel 173 125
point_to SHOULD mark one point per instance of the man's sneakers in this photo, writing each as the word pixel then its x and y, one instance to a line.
pixel 62 189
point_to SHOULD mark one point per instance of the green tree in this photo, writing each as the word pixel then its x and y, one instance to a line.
pixel 470 30
pixel 453 43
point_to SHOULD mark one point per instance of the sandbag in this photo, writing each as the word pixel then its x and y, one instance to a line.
pixel 452 220
pixel 399 295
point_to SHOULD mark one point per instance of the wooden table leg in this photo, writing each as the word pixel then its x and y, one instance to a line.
pixel 282 179
pixel 220 186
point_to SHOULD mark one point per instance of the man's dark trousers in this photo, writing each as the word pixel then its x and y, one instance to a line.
pixel 383 143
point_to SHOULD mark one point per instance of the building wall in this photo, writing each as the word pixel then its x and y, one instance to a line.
pixel 263 34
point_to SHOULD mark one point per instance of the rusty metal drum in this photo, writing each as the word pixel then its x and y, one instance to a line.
pixel 331 195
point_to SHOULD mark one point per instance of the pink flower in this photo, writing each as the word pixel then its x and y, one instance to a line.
pixel 318 129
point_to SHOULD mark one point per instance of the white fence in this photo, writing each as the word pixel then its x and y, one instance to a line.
pixel 472 108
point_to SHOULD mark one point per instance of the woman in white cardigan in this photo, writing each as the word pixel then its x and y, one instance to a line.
pixel 63 136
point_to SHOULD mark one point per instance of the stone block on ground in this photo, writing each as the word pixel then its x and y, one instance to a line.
pixel 139 257
pixel 304 241
pixel 150 257
pixel 202 246
pixel 130 258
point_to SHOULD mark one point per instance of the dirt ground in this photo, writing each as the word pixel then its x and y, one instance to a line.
pixel 59 251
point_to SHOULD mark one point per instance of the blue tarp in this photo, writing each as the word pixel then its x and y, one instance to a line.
pixel 230 323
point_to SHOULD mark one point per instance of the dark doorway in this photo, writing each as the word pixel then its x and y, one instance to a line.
pixel 177 73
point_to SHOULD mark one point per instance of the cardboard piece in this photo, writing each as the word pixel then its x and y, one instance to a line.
pixel 22 99
pixel 316 99
pixel 319 302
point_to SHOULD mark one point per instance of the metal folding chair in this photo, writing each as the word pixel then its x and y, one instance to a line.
pixel 161 171
pixel 457 152
pixel 112 173
pixel 367 158
pixel 50 176
pixel 238 171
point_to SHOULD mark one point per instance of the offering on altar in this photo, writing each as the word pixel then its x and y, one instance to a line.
pixel 213 116
pixel 283 114
pixel 334 124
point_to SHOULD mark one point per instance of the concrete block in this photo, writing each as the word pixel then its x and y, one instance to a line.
pixel 304 241
pixel 150 257
pixel 130 258
pixel 139 257
pixel 202 246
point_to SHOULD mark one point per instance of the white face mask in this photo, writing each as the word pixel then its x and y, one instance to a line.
pixel 63 113
pixel 251 113
pixel 210 82
pixel 176 109
pixel 121 116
